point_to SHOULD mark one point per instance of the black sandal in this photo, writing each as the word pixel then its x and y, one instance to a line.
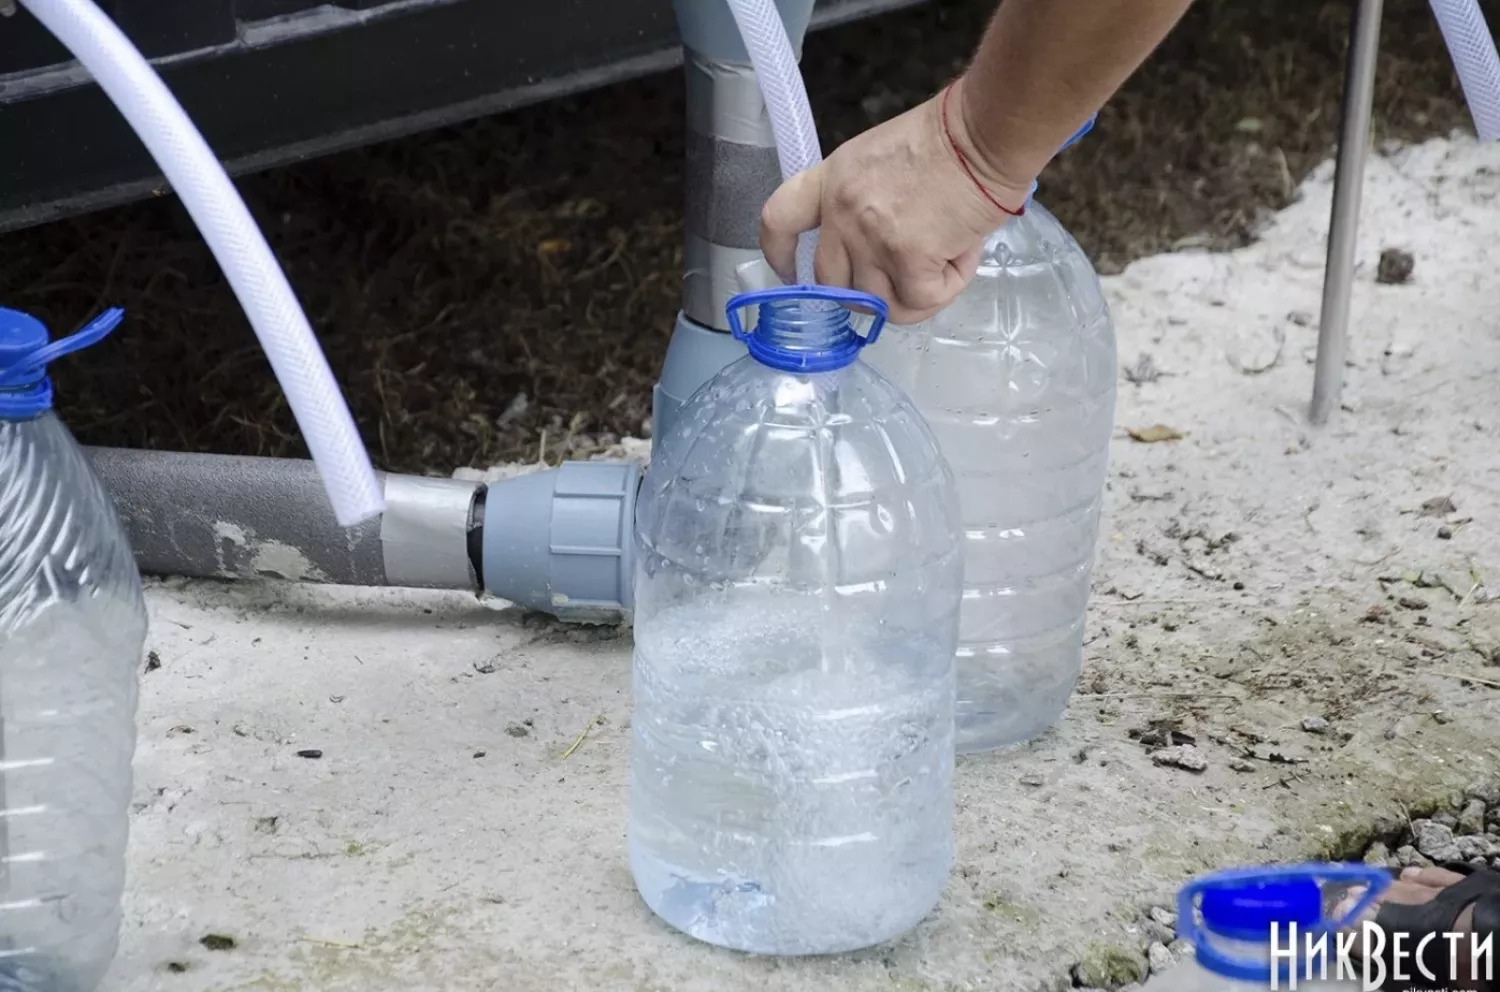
pixel 1479 889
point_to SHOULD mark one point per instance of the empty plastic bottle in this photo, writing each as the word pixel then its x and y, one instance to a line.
pixel 797 587
pixel 1017 379
pixel 1254 920
pixel 72 629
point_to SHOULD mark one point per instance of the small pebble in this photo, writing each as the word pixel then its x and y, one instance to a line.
pixel 1435 840
pixel 1157 933
pixel 1163 915
pixel 1378 854
pixel 1471 820
pixel 516 730
pixel 1241 765
pixel 1445 533
pixel 1412 603
pixel 1032 779
pixel 1184 756
pixel 218 942
pixel 1447 819
pixel 1488 792
pixel 1476 847
pixel 479 754
pixel 311 753
pixel 1407 857
pixel 1181 949
pixel 1395 267
pixel 1159 958
pixel 1315 725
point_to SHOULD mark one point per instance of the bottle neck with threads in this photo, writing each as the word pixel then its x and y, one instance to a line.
pixel 805 329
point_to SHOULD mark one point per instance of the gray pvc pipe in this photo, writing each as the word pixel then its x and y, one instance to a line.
pixel 230 517
pixel 218 516
pixel 559 541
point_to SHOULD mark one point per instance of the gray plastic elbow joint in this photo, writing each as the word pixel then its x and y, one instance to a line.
pixel 562 541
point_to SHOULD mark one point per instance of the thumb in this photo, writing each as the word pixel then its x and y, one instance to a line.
pixel 797 206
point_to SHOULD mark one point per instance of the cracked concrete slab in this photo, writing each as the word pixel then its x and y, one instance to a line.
pixel 1287 603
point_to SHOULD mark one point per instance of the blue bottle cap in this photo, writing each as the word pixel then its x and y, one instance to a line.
pixel 806 339
pixel 21 335
pixel 25 352
pixel 1247 910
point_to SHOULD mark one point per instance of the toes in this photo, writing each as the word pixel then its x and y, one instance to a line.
pixel 1432 878
pixel 1406 890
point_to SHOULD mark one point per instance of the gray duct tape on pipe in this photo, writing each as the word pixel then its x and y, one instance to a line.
pixel 231 517
pixel 731 170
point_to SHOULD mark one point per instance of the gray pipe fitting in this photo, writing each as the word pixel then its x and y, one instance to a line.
pixel 562 541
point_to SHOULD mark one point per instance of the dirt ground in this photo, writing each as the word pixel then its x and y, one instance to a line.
pixel 498 291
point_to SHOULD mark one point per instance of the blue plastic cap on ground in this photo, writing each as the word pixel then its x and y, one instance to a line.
pixel 1246 912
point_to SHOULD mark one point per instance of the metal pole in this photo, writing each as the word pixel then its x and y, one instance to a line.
pixel 1343 227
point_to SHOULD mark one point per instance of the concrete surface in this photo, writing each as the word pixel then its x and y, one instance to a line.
pixel 451 837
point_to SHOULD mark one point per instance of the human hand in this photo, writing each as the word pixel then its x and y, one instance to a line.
pixel 899 216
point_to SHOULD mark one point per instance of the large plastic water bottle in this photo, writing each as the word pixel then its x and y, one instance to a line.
pixel 797 588
pixel 72 628
pixel 1254 920
pixel 1017 380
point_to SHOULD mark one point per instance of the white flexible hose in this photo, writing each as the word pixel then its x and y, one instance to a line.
pixel 199 180
pixel 1473 50
pixel 785 94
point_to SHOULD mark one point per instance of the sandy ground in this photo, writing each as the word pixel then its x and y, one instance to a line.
pixel 1275 597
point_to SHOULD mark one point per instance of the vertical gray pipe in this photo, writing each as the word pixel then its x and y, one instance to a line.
pixel 732 166
pixel 1343 226
pixel 732 169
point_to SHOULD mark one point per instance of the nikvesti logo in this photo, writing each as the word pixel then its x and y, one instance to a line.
pixel 1376 959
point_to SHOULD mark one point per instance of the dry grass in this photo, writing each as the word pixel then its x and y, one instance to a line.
pixel 537 254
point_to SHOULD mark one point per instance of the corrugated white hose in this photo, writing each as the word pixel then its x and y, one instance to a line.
pixel 239 246
pixel 785 94
pixel 1473 50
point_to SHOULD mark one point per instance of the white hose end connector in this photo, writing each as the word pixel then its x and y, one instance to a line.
pixel 258 281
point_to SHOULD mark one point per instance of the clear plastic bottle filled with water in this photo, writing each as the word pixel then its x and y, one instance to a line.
pixel 1244 922
pixel 1017 379
pixel 72 629
pixel 797 587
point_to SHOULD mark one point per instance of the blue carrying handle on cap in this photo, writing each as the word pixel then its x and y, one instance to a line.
pixel 1257 969
pixel 779 354
pixel 829 294
pixel 32 367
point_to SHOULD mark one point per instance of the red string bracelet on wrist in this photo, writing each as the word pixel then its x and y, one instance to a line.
pixel 964 161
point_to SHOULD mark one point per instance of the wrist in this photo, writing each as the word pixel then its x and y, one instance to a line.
pixel 1002 150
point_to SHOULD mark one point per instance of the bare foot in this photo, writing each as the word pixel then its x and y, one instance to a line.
pixel 1417 887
